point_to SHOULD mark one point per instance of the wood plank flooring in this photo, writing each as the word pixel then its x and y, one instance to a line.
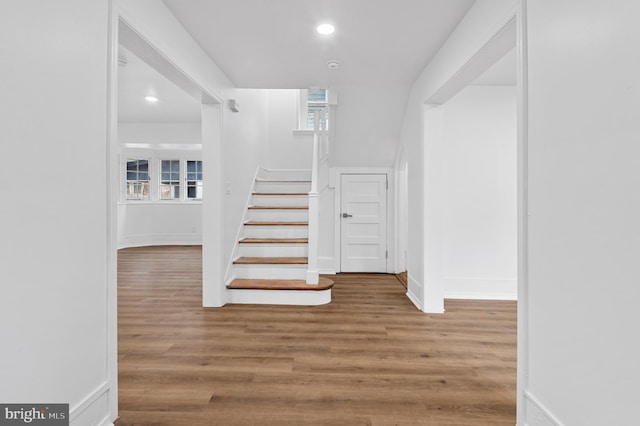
pixel 367 358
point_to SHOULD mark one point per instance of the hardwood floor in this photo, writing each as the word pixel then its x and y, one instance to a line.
pixel 367 358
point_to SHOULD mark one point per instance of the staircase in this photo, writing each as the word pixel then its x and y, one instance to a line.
pixel 271 258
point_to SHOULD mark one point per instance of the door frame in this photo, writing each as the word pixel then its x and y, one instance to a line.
pixel 335 182
pixel 401 209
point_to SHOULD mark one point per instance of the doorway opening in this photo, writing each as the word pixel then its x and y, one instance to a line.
pixel 160 168
pixel 471 180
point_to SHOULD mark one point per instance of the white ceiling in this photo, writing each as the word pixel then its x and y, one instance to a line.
pixel 137 80
pixel 258 45
pixel 273 44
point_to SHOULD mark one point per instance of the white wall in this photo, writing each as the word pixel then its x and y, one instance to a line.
pixel 244 150
pixel 160 133
pixel 159 222
pixel 367 125
pixel 479 195
pixel 584 205
pixel 476 29
pixel 286 150
pixel 53 249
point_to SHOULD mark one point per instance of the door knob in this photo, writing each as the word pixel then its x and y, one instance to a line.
pixel 347 215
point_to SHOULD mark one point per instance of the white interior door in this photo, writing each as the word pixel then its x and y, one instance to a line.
pixel 363 228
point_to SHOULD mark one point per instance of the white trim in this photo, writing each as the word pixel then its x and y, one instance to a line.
pixel 159 240
pixel 303 132
pixel 213 286
pixel 228 275
pixel 480 288
pixel 537 414
pixel 113 179
pixel 411 284
pixel 522 354
pixel 400 208
pixel 89 402
pixel 484 58
pixel 172 202
pixel 302 104
pixel 414 299
pixel 155 55
pixel 478 63
pixel 163 146
pixel 326 265
pixel 433 211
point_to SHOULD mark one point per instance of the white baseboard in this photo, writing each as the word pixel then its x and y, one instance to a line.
pixel 480 288
pixel 414 288
pixel 93 409
pixel 536 414
pixel 159 240
pixel 326 265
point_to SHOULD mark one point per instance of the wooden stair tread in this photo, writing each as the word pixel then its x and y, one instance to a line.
pixel 280 194
pixel 256 284
pixel 274 241
pixel 278 208
pixel 255 223
pixel 271 261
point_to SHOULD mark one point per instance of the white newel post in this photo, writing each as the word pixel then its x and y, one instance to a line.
pixel 313 275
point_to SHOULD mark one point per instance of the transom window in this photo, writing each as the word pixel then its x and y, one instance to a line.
pixel 137 179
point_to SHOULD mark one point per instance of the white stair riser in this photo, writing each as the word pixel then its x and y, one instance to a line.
pixel 279 297
pixel 282 187
pixel 275 231
pixel 258 215
pixel 270 272
pixel 273 250
pixel 279 200
pixel 285 175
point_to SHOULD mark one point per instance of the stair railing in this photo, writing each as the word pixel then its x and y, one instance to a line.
pixel 320 153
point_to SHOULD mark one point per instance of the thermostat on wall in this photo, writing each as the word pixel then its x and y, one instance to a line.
pixel 234 106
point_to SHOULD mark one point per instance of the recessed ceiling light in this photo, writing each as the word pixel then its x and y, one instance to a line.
pixel 151 99
pixel 326 29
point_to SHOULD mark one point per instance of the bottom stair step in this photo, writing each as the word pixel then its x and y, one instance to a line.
pixel 257 284
pixel 271 261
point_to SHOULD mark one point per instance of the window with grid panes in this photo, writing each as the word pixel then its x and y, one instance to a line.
pixel 137 179
pixel 194 179
pixel 317 100
pixel 170 179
